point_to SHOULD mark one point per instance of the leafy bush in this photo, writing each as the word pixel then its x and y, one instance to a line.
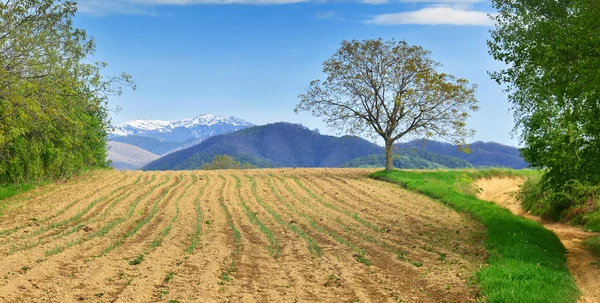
pixel 593 244
pixel 576 202
pixel 54 113
pixel 226 162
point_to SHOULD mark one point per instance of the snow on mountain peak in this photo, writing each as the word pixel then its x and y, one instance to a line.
pixel 147 124
pixel 205 120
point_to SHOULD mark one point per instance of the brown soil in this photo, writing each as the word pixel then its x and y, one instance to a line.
pixel 582 263
pixel 260 234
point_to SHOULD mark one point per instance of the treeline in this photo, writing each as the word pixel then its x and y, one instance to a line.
pixel 226 162
pixel 410 158
pixel 53 106
pixel 551 52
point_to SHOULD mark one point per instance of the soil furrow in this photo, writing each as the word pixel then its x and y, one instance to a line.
pixel 239 236
pixel 70 225
pixel 53 196
pixel 156 261
pixel 197 277
pixel 55 208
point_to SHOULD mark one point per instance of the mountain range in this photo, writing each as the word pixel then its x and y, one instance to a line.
pixel 180 131
pixel 272 145
pixel 482 154
pixel 190 143
pixel 292 145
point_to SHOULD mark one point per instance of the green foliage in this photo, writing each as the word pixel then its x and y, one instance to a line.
pixel 400 161
pixel 390 89
pixel 551 50
pixel 410 158
pixel 7 191
pixel 481 154
pixel 53 105
pixel 593 244
pixel 137 260
pixel 575 202
pixel 527 262
pixel 225 162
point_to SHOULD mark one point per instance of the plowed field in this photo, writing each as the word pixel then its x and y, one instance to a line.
pixel 293 235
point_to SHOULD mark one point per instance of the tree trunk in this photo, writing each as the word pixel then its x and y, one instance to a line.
pixel 389 160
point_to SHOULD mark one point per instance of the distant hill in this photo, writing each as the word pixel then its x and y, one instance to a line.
pixel 127 156
pixel 401 162
pixel 271 145
pixel 488 154
pixel 292 145
pixel 153 145
pixel 411 158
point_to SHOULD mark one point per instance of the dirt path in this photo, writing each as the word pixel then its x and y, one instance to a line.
pixel 580 261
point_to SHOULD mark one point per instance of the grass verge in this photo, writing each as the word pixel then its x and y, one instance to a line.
pixel 593 244
pixel 527 262
pixel 9 190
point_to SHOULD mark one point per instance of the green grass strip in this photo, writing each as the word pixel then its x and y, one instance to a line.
pixel 199 214
pixel 350 214
pixel 236 233
pixel 593 244
pixel 527 262
pixel 9 190
pixel 274 247
pixel 165 232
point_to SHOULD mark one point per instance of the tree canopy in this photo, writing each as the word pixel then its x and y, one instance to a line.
pixel 552 53
pixel 390 89
pixel 225 162
pixel 53 105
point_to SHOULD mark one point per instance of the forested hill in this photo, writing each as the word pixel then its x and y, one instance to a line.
pixel 291 145
pixel 277 144
pixel 411 158
pixel 487 154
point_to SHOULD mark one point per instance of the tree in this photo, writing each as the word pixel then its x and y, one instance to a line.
pixel 225 162
pixel 390 89
pixel 53 105
pixel 552 53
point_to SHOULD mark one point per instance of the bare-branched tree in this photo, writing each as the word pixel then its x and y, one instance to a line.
pixel 390 89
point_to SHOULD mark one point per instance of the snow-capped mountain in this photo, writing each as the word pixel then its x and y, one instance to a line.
pixel 198 128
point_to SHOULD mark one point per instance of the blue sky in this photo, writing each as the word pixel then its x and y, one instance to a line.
pixel 251 58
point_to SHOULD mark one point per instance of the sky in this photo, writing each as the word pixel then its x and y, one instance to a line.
pixel 252 58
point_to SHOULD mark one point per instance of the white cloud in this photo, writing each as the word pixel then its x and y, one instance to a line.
pixel 435 15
